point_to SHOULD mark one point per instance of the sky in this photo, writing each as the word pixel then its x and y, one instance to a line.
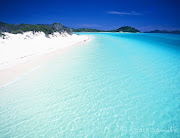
pixel 144 15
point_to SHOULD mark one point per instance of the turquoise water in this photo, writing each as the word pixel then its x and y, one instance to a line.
pixel 117 85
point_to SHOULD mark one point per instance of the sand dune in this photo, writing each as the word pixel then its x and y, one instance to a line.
pixel 20 53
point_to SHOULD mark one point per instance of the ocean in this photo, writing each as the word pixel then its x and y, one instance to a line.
pixel 116 85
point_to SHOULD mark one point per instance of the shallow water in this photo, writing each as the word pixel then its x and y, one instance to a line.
pixel 117 85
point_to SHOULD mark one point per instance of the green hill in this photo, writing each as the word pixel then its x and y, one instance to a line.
pixel 126 29
pixel 46 28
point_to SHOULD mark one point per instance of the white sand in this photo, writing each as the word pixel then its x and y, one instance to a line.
pixel 20 53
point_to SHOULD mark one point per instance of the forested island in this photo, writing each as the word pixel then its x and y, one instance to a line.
pixel 46 28
pixel 127 29
pixel 164 31
pixel 87 30
pixel 58 27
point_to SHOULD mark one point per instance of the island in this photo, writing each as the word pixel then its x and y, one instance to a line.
pixel 46 28
pixel 87 30
pixel 164 31
pixel 124 29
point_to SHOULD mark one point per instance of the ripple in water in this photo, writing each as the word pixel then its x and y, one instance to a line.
pixel 118 85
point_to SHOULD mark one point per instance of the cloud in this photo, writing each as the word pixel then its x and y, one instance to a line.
pixel 124 13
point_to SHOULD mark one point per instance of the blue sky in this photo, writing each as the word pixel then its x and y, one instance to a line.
pixel 100 14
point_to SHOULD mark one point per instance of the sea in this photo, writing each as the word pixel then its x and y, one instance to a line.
pixel 116 85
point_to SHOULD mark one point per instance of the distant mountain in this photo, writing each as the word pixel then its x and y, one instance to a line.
pixel 127 29
pixel 46 28
pixel 164 31
pixel 87 30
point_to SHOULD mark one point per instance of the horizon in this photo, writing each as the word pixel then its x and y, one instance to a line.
pixel 103 15
pixel 95 28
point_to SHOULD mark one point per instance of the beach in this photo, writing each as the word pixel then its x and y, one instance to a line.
pixel 116 85
pixel 20 53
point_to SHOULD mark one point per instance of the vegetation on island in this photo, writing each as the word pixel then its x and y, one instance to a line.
pixel 127 29
pixel 2 35
pixel 87 30
pixel 46 28
pixel 58 27
pixel 122 29
pixel 164 31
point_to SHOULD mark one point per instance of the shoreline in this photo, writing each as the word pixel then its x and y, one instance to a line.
pixel 12 72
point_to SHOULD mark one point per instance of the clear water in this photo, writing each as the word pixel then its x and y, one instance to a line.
pixel 117 85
